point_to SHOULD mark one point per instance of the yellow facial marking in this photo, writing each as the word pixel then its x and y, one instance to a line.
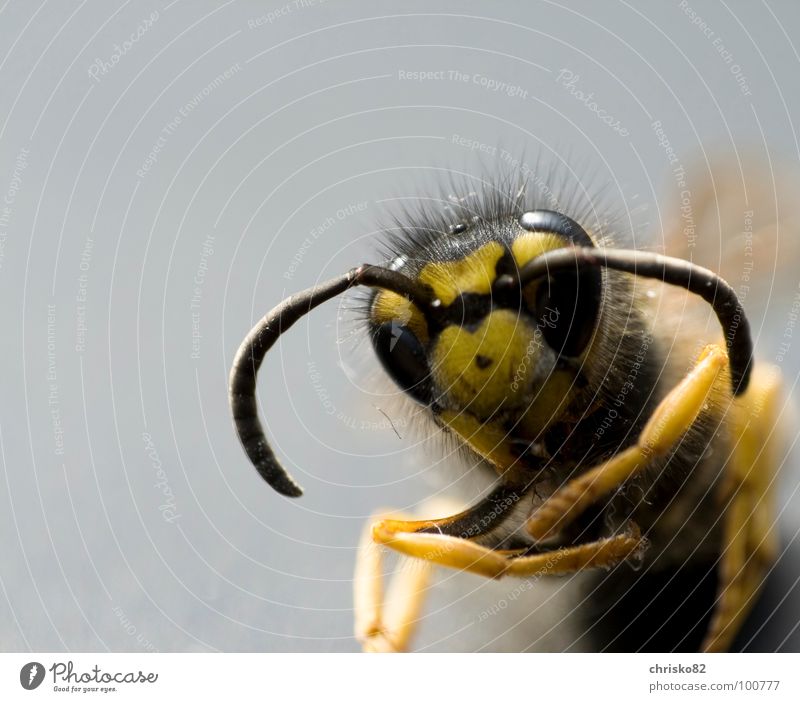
pixel 488 368
pixel 532 244
pixel 390 306
pixel 485 438
pixel 474 273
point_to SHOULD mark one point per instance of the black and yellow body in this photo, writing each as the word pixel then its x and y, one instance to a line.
pixel 614 439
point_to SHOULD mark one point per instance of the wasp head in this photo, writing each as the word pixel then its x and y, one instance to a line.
pixel 490 351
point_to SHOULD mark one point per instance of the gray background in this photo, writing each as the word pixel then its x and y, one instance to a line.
pixel 313 118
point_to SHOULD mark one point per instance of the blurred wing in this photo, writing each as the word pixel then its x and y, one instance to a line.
pixel 739 215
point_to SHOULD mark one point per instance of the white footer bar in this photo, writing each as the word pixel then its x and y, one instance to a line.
pixel 406 678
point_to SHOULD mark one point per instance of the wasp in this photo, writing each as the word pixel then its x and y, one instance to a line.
pixel 613 438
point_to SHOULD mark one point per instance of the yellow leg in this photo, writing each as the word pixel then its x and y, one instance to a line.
pixel 603 553
pixel 460 554
pixel 386 626
pixel 383 626
pixel 670 420
pixel 749 535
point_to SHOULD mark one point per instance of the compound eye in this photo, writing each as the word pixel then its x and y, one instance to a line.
pixel 566 307
pixel 403 356
pixel 567 303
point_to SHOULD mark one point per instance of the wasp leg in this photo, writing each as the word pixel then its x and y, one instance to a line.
pixel 461 554
pixel 383 626
pixel 386 626
pixel 750 540
pixel 670 420
pixel 603 553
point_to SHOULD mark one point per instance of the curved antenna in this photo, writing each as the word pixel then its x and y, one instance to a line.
pixel 675 271
pixel 242 386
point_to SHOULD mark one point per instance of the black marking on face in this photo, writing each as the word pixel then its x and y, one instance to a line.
pixel 483 361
